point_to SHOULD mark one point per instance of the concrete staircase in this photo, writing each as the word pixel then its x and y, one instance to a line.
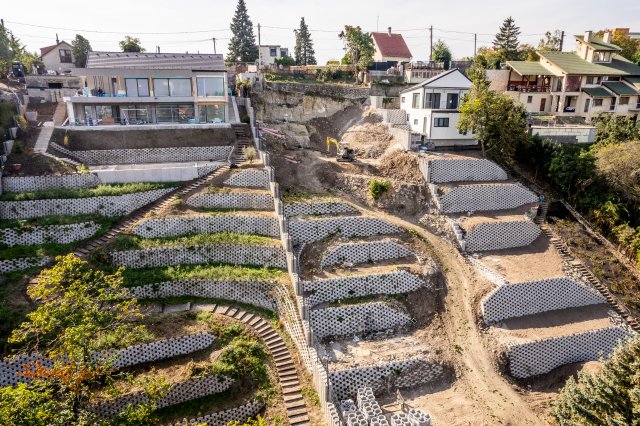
pixel 243 140
pixel 42 143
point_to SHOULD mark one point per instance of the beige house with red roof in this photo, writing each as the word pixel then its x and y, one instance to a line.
pixel 57 57
pixel 390 47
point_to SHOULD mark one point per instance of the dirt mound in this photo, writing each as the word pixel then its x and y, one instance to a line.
pixel 370 140
pixel 401 166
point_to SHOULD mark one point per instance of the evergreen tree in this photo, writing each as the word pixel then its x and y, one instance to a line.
pixel 80 50
pixel 303 52
pixel 242 46
pixel 441 53
pixel 506 41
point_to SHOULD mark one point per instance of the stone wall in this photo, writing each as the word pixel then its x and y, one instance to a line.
pixel 329 90
pixel 534 297
pixel 542 356
pixel 40 183
pixel 237 414
pixel 501 235
pixel 10 265
pixel 117 205
pixel 315 209
pixel 232 254
pixel 148 155
pixel 356 319
pixel 184 225
pixel 404 373
pixel 311 230
pixel 565 134
pixel 60 234
pixel 232 201
pixel 255 293
pixel 332 289
pixel 460 170
pixel 364 252
pixel 249 179
pixel 485 197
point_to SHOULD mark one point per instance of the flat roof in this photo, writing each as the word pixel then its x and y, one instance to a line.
pixel 528 68
pixel 598 92
pixel 620 88
pixel 139 60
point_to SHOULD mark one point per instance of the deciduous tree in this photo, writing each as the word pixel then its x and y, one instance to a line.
pixel 359 45
pixel 550 41
pixel 619 165
pixel 441 53
pixel 303 51
pixel 611 129
pixel 131 44
pixel 80 48
pixel 242 46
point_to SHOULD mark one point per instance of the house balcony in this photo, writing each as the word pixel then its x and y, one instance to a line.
pixel 122 99
pixel 528 88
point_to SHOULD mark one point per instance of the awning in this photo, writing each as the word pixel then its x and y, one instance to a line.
pixel 620 88
pixel 598 92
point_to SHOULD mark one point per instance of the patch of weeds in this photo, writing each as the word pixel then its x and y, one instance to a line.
pixel 378 187
pixel 98 191
pixel 133 242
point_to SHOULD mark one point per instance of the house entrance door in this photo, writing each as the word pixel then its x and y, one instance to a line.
pixel 543 104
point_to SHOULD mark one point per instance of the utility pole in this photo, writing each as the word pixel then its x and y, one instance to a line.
pixel 561 40
pixel 214 45
pixel 475 45
pixel 259 51
pixel 431 42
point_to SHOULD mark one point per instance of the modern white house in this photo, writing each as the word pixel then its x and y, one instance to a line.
pixel 432 109
pixel 270 52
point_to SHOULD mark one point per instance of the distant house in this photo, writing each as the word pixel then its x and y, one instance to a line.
pixel 151 88
pixel 432 109
pixel 270 52
pixel 57 57
pixel 390 48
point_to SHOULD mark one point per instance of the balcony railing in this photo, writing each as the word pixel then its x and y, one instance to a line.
pixel 527 89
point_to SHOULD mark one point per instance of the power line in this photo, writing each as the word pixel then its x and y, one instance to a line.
pixel 116 32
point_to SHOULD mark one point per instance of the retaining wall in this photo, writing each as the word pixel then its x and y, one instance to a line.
pixel 256 293
pixel 249 179
pixel 485 197
pixel 542 356
pixel 232 201
pixel 60 234
pixel 311 230
pixel 331 90
pixel 314 209
pixel 534 297
pixel 117 205
pixel 40 183
pixel 333 289
pixel 10 265
pixel 176 226
pixel 223 418
pixel 210 253
pixel 501 235
pixel 356 319
pixel 461 170
pixel 364 252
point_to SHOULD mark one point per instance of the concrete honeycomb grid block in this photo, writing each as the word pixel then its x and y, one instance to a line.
pixel 116 205
pixel 255 293
pixel 533 297
pixel 177 226
pixel 273 256
pixel 462 170
pixel 41 183
pixel 333 289
pixel 237 414
pixel 312 230
pixel 232 201
pixel 356 319
pixel 364 252
pixel 249 179
pixel 19 264
pixel 318 209
pixel 501 235
pixel 485 197
pixel 542 356
pixel 60 234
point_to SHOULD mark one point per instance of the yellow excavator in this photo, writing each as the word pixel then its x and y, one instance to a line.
pixel 343 152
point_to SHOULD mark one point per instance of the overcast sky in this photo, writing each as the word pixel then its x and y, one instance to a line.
pixel 193 23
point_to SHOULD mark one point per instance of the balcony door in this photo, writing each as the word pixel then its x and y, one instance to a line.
pixel 543 104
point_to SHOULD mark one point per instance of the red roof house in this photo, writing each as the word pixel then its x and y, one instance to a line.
pixel 390 47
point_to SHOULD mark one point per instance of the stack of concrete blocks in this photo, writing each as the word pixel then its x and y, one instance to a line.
pixel 318 209
pixel 19 264
pixel 542 356
pixel 116 205
pixel 460 170
pixel 231 201
pixel 418 417
pixel 501 235
pixel 351 415
pixel 365 252
pixel 223 418
pixel 534 297
pixel 148 155
pixel 41 183
pixel 312 230
pixel 233 254
pixel 256 293
pixel 333 289
pixel 333 418
pixel 362 318
pixel 368 405
pixel 249 179
pixel 59 234
pixel 484 197
pixel 206 224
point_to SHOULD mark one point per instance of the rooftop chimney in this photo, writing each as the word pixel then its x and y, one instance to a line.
pixel 389 31
pixel 57 41
pixel 607 37
pixel 588 35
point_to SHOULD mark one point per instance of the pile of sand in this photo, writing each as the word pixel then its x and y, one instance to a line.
pixel 370 140
pixel 402 166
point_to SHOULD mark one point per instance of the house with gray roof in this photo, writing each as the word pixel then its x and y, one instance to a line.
pixel 136 88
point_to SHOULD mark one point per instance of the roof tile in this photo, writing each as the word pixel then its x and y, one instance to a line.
pixel 391 45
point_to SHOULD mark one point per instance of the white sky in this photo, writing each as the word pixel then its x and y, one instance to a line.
pixel 454 21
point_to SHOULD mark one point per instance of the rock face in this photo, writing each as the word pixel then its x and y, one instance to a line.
pixel 296 107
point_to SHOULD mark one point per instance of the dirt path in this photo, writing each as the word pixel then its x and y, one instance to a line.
pixel 479 395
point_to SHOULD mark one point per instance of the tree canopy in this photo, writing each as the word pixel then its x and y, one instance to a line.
pixel 551 41
pixel 131 44
pixel 242 46
pixel 619 165
pixel 506 40
pixel 611 129
pixel 303 51
pixel 441 53
pixel 80 48
pixel 11 49
pixel 359 46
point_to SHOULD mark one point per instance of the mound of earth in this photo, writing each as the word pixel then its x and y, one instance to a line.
pixel 400 165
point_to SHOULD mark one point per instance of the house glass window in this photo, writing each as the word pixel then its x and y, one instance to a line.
pixel 416 101
pixel 180 113
pixel 624 100
pixel 452 101
pixel 597 102
pixel 213 113
pixel 402 100
pixel 161 87
pixel 415 122
pixel 172 86
pixel 587 103
pixel 65 56
pixel 432 100
pixel 441 122
pixel 273 52
pixel 137 86
pixel 210 86
pixel 529 99
pixel 284 52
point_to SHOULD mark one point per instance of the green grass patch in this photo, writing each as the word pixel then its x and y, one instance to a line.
pixel 133 242
pixel 98 191
pixel 212 271
pixel 26 224
pixel 295 196
pixel 179 300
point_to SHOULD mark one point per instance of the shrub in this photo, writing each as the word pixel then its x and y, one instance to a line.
pixel 250 153
pixel 22 122
pixel 245 119
pixel 18 148
pixel 82 168
pixel 378 187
